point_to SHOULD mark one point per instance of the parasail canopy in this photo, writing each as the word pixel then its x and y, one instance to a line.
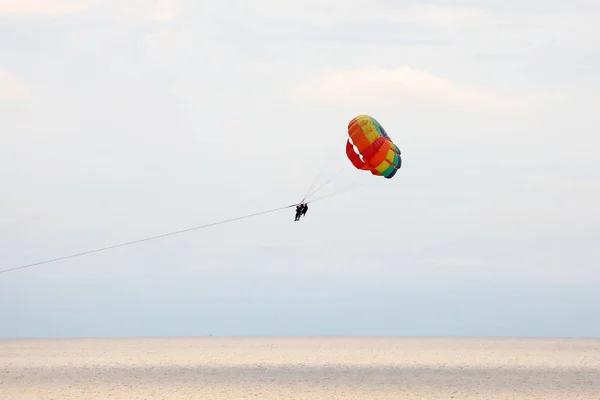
pixel 370 148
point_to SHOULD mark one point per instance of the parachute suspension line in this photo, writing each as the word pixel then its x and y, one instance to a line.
pixel 312 185
pixel 147 239
pixel 321 170
pixel 328 160
pixel 343 190
pixel 346 189
pixel 324 184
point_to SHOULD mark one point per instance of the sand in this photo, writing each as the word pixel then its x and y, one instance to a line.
pixel 300 368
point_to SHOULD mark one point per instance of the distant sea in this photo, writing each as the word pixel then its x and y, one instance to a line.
pixel 215 368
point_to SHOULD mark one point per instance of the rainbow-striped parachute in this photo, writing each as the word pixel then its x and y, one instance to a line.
pixel 370 148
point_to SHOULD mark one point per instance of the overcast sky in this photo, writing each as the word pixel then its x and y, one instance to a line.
pixel 126 119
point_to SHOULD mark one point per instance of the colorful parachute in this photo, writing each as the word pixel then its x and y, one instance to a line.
pixel 376 151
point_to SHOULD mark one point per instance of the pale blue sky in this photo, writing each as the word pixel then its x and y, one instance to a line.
pixel 126 119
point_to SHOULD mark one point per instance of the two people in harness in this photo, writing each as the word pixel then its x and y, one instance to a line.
pixel 301 210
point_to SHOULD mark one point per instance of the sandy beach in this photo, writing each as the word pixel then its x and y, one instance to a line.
pixel 300 368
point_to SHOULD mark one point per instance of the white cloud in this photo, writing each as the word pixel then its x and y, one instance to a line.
pixel 402 85
pixel 511 31
pixel 44 6
pixel 455 263
pixel 169 47
pixel 12 88
pixel 154 10
pixel 437 16
pixel 330 12
pixel 148 116
pixel 166 10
